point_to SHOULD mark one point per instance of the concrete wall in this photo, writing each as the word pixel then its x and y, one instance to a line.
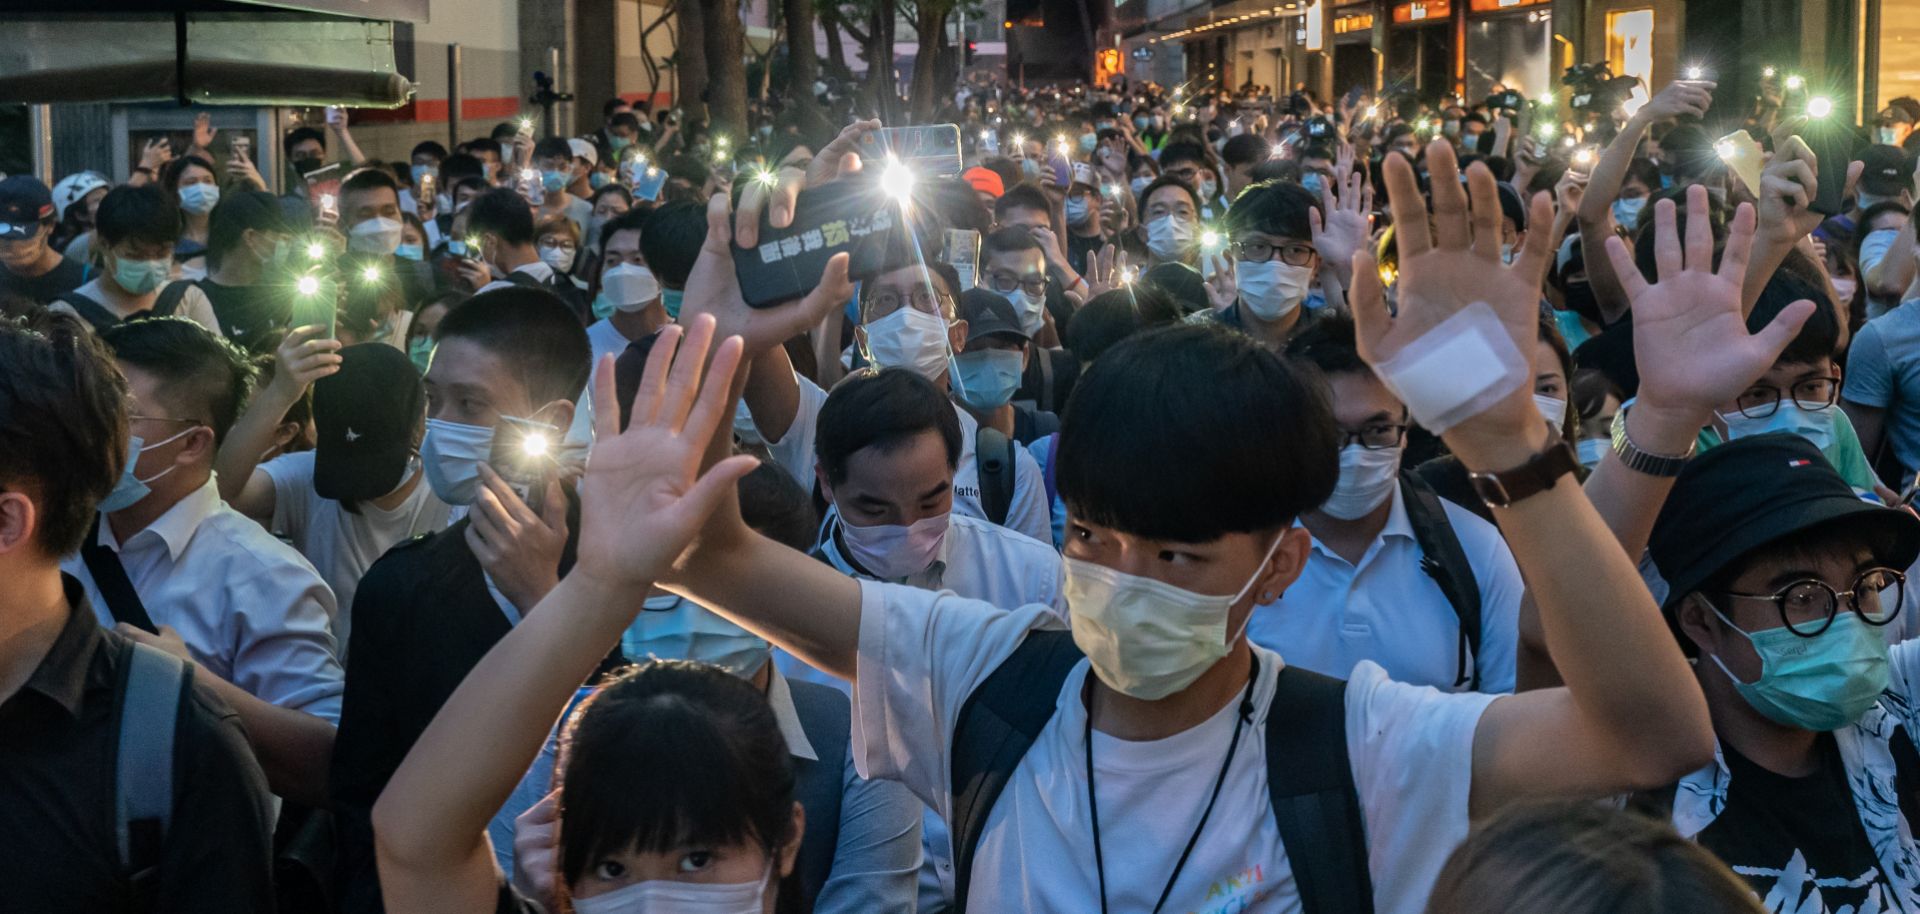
pixel 493 86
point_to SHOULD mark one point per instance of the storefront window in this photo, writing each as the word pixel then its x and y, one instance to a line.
pixel 1511 51
pixel 1899 49
pixel 1630 43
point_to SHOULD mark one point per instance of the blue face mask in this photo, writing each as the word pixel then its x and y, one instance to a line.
pixel 986 378
pixel 139 277
pixel 1627 212
pixel 199 199
pixel 603 307
pixel 670 300
pixel 619 143
pixel 555 181
pixel 420 173
pixel 1821 683
pixel 1312 182
pixel 130 490
pixel 1592 449
pixel 673 629
pixel 1815 425
pixel 1077 210
pixel 420 352
pixel 1088 141
pixel 598 180
pixel 410 252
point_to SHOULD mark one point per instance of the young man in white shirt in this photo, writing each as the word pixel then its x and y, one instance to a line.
pixel 1164 570
pixel 247 608
pixel 564 164
pixel 1370 591
pixel 361 490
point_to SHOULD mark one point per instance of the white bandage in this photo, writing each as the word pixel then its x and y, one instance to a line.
pixel 1456 370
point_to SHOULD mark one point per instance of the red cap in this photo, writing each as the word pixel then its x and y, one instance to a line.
pixel 984 180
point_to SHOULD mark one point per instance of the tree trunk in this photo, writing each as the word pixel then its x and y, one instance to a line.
pixel 803 65
pixel 880 31
pixel 690 61
pixel 726 67
pixel 836 62
pixel 930 27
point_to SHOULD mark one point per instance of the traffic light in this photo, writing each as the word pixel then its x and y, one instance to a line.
pixel 971 47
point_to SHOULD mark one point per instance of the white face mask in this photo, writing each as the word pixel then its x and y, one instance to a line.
pixel 559 258
pixel 1273 289
pixel 1553 409
pixel 675 629
pixel 378 235
pixel 1144 638
pixel 1169 236
pixel 1030 308
pixel 1366 479
pixel 910 338
pixel 891 551
pixel 453 453
pixel 671 896
pixel 629 287
pixel 1844 288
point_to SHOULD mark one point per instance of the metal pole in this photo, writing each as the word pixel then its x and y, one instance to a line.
pixel 559 85
pixel 453 95
pixel 42 130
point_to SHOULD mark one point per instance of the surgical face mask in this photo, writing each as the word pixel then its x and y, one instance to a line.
pixel 674 629
pixel 410 252
pixel 557 257
pixel 890 551
pixel 987 378
pixel 420 352
pixel 1078 210
pixel 420 173
pixel 1088 141
pixel 619 143
pixel 138 277
pixel 1367 477
pixel 912 339
pixel 1139 184
pixel 1845 289
pixel 1030 168
pixel 1148 639
pixel 629 288
pixel 671 896
pixel 199 199
pixel 378 235
pixel 1169 236
pixel 1140 123
pixel 1271 290
pixel 1207 189
pixel 1592 450
pixel 1312 182
pixel 1552 409
pixel 1506 253
pixel 453 453
pixel 1030 308
pixel 129 489
pixel 1821 683
pixel 1627 212
pixel 1888 136
pixel 555 181
pixel 670 300
pixel 1815 425
pixel 598 180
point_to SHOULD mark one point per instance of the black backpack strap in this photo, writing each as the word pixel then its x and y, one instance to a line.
pixel 110 577
pixel 169 298
pixel 993 457
pixel 1906 773
pixel 1315 803
pixel 94 313
pixel 153 684
pixel 997 725
pixel 1046 380
pixel 1443 560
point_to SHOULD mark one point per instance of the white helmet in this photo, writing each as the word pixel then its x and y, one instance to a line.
pixel 74 188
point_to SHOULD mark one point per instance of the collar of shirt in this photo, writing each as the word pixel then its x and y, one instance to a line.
pixel 780 698
pixel 537 269
pixel 1398 526
pixel 835 552
pixel 176 527
pixel 62 673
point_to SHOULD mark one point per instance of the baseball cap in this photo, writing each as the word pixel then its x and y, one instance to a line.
pixel 984 181
pixel 1182 282
pixel 364 416
pixel 24 203
pixel 1900 109
pixel 1747 494
pixel 584 150
pixel 1887 172
pixel 989 314
pixel 75 188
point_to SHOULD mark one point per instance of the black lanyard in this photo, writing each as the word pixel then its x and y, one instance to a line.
pixel 1093 804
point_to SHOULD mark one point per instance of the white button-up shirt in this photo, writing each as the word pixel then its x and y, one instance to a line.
pixel 250 609
pixel 1388 610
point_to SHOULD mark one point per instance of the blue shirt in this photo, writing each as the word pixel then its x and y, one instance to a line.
pixel 1883 371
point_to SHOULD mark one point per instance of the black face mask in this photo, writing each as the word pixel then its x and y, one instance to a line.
pixel 305 164
pixel 1580 300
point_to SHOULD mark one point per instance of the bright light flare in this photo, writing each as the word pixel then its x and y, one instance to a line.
pixel 370 273
pixel 1210 239
pixel 1695 72
pixel 1819 106
pixel 308 285
pixel 316 251
pixel 1725 150
pixel 1373 111
pixel 896 181
pixel 1583 157
pixel 1768 72
pixel 1796 81
pixel 536 444
pixel 765 177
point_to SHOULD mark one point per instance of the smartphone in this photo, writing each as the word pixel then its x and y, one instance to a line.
pixel 1744 158
pixel 531 188
pixel 990 142
pixel 1062 168
pixel 1834 144
pixel 241 147
pixel 329 207
pixel 854 216
pixel 932 150
pixel 317 301
pixel 323 186
pixel 962 252
pixel 526 128
pixel 424 191
pixel 646 180
pixel 1083 174
pixel 527 455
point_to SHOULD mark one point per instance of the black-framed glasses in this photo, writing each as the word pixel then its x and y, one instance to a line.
pixel 1759 402
pixel 1376 437
pixel 1807 608
pixel 882 302
pixel 1291 253
pixel 1004 282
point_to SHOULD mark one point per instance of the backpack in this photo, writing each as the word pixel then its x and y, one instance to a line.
pixel 999 468
pixel 1309 779
pixel 1443 560
pixel 103 319
pixel 153 686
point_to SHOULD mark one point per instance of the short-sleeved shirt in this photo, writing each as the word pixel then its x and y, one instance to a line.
pixel 1883 371
pixel 922 654
pixel 193 305
pixel 65 277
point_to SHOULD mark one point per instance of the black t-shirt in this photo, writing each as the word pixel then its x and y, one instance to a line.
pixel 47 287
pixel 1081 249
pixel 1770 819
pixel 252 317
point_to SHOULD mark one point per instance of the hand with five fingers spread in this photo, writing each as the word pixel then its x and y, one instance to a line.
pixel 1342 224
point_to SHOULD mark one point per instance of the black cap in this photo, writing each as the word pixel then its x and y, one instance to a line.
pixel 24 204
pixel 1747 494
pixel 1888 171
pixel 1181 282
pixel 364 417
pixel 988 313
pixel 1900 109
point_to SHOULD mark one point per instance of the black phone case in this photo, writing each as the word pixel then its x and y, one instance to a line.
pixel 1834 145
pixel 851 216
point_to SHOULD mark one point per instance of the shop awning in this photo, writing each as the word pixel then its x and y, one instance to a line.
pixel 259 56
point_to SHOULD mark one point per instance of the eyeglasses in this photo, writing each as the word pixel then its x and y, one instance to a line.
pixel 883 302
pixel 1808 608
pixel 1006 282
pixel 1807 393
pixel 1183 174
pixel 1291 253
pixel 1376 437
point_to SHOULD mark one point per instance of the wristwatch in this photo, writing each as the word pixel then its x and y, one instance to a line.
pixel 1508 487
pixel 1661 465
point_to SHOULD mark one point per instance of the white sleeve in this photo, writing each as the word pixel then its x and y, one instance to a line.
pixel 921 654
pixel 196 307
pixel 1029 512
pixel 292 476
pixel 281 626
pixel 1411 748
pixel 794 453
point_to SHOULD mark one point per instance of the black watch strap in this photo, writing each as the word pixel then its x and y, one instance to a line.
pixel 1506 488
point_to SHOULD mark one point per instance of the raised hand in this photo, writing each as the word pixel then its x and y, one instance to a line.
pixel 519 548
pixel 1690 339
pixel 1222 291
pixel 204 131
pixel 1349 224
pixel 304 356
pixel 1105 270
pixel 643 492
pixel 838 159
pixel 713 289
pixel 241 167
pixel 155 154
pixel 1680 97
pixel 1787 188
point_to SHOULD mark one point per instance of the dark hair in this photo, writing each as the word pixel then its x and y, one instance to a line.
pixel 235 215
pixel 1244 149
pixel 1165 180
pixel 1175 153
pixel 957 204
pixel 612 104
pixel 370 177
pixel 670 240
pixel 1012 239
pixel 170 173
pixel 1023 195
pixel 1818 339
pixel 1115 315
pixel 65 436
pixel 620 189
pixel 533 332
pixel 625 119
pixel 882 409
pixel 299 135
pixel 724 777
pixel 1643 243
pixel 633 220
pixel 1329 345
pixel 200 372
pixel 460 166
pixel 504 213
pixel 429 147
pixel 1583 857
pixel 503 131
pixel 1275 208
pixel 553 146
pixel 775 505
pixel 1643 170
pixel 1590 388
pixel 1256 437
pixel 144 214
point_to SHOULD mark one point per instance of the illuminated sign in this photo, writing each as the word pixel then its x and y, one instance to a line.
pixel 1356 22
pixel 1428 11
pixel 1495 6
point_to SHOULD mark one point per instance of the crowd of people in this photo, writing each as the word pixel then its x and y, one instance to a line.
pixel 1161 499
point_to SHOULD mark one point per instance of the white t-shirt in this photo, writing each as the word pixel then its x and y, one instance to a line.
pixel 605 339
pixel 340 544
pixel 921 654
pixel 194 305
